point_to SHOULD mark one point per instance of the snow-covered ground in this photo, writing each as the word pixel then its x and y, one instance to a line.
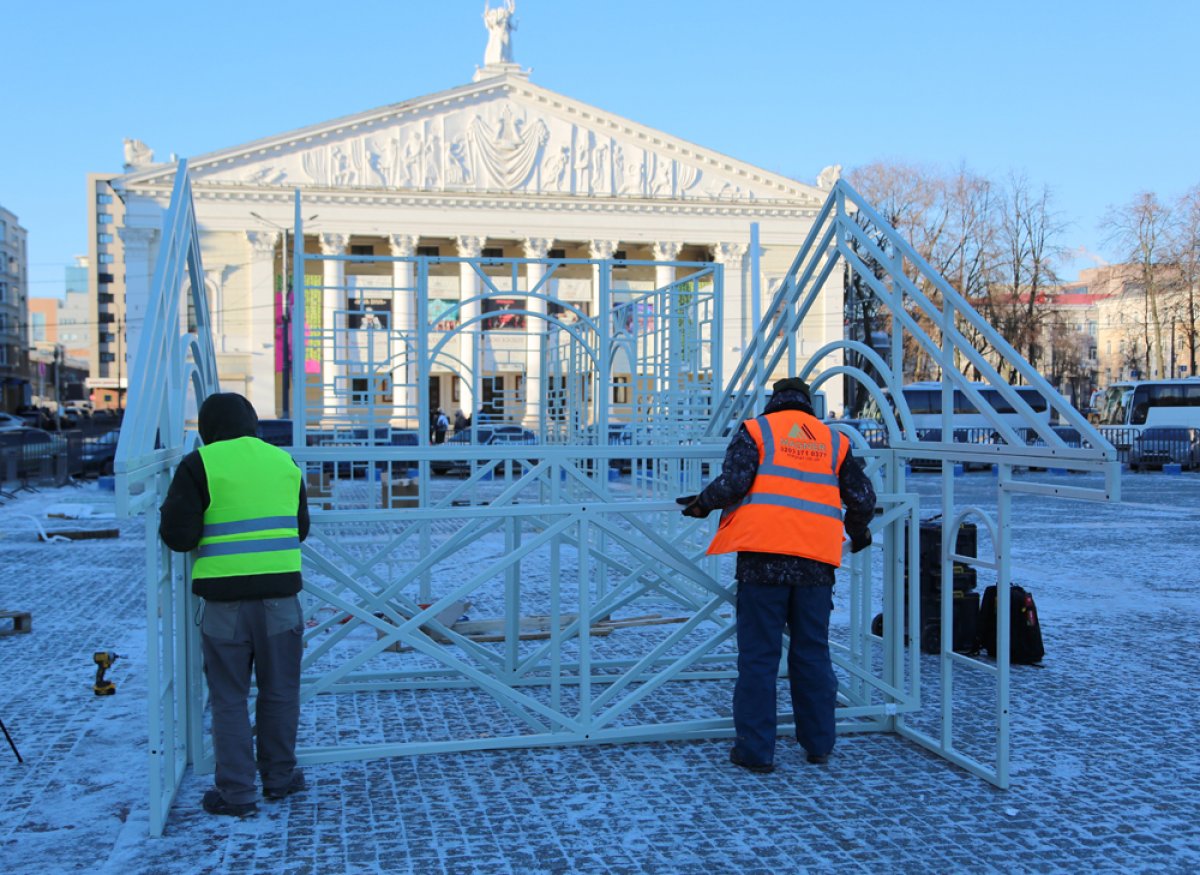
pixel 1106 773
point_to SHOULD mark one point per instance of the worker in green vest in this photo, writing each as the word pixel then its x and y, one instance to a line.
pixel 239 504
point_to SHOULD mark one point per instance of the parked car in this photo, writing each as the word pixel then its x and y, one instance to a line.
pixel 872 430
pixel 961 436
pixel 34 417
pixel 277 432
pixel 1161 445
pixel 99 452
pixel 481 436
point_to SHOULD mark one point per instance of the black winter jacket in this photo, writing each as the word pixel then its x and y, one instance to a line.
pixel 737 476
pixel 223 416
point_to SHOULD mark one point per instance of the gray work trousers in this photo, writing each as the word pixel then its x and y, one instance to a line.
pixel 266 635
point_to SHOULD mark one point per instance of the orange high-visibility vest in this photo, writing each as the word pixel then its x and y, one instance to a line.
pixel 794 506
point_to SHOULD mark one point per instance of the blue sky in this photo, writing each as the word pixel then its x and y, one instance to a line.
pixel 1095 99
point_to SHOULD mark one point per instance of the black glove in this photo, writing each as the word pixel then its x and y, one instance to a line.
pixel 860 540
pixel 692 506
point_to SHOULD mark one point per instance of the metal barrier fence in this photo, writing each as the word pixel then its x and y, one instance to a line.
pixel 29 459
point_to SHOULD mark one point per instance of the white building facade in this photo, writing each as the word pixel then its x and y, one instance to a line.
pixel 499 167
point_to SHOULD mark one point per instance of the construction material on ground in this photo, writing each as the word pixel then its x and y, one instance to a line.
pixel 536 627
pixel 22 621
pixel 79 534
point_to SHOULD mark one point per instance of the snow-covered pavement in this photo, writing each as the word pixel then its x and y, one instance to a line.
pixel 1106 771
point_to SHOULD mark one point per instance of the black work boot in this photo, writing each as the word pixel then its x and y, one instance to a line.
pixel 294 786
pixel 758 768
pixel 214 804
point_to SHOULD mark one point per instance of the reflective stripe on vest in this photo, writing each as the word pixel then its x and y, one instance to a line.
pixel 794 506
pixel 250 524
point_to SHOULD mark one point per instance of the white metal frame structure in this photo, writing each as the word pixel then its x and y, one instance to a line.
pixel 591 600
pixel 173 370
pixel 849 232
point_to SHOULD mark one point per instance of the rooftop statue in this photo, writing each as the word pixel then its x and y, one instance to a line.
pixel 500 24
pixel 137 154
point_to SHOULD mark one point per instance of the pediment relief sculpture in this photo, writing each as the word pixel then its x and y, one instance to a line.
pixel 498 144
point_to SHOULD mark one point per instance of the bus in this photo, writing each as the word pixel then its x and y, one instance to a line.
pixel 925 405
pixel 1139 404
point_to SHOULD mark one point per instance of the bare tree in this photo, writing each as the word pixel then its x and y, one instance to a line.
pixel 1185 252
pixel 1143 230
pixel 1028 232
pixel 906 197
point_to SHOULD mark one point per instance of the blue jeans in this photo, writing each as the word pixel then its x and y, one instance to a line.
pixel 762 612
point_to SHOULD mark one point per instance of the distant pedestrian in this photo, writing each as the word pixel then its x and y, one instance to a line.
pixel 441 425
pixel 460 421
pixel 240 504
pixel 785 478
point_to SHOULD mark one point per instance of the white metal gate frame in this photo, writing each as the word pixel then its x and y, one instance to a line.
pixel 624 547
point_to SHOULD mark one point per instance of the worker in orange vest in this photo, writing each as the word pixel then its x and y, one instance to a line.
pixel 784 481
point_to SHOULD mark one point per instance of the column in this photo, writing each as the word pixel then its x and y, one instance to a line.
pixel 333 298
pixel 600 249
pixel 404 336
pixel 736 330
pixel 469 286
pixel 535 247
pixel 139 273
pixel 260 328
pixel 664 274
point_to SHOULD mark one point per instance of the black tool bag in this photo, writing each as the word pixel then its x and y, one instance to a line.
pixel 1026 637
pixel 965 624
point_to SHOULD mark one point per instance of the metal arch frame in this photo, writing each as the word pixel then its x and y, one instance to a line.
pixel 173 371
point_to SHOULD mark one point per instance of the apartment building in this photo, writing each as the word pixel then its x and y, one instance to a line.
pixel 14 313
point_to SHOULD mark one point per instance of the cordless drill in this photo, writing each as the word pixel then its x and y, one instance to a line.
pixel 104 660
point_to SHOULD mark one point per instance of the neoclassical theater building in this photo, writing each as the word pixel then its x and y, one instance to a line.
pixel 500 168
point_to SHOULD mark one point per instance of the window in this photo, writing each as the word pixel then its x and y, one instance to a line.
pixel 104 198
pixel 105 297
pixel 106 318
pixel 107 358
pixel 362 249
pixel 104 218
pixel 455 389
pixel 106 337
pixel 360 391
pixel 105 278
pixel 557 253
pixel 104 238
pixel 492 252
pixel 428 251
pixel 105 258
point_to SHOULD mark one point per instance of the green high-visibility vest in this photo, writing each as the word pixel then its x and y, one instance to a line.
pixel 250 524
